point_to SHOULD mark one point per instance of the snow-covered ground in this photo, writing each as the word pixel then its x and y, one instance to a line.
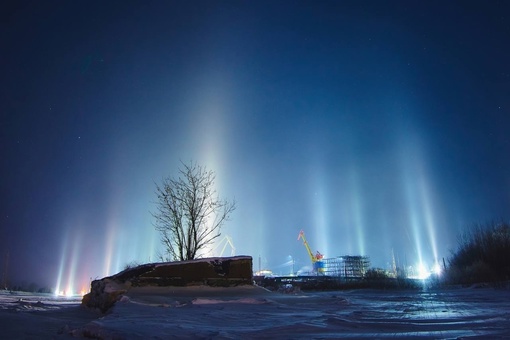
pixel 252 312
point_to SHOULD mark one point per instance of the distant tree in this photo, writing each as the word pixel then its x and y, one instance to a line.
pixel 46 290
pixel 376 274
pixel 32 287
pixel 189 213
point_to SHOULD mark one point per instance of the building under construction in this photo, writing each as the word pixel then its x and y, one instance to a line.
pixel 327 273
pixel 348 267
pixel 345 267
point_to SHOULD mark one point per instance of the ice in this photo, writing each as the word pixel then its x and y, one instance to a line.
pixel 253 312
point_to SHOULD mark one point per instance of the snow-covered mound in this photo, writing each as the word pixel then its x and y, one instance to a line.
pixel 216 272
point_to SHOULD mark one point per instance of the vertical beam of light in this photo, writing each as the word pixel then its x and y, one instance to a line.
pixel 212 157
pixel 345 239
pixel 414 221
pixel 249 227
pixel 252 240
pixel 211 128
pixel 409 156
pixel 320 215
pixel 429 216
pixel 151 248
pixel 63 253
pixel 383 245
pixel 144 245
pixel 120 251
pixel 109 246
pixel 421 215
pixel 73 263
pixel 212 124
pixel 74 269
pixel 357 212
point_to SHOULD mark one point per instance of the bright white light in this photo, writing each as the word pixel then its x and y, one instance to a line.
pixel 437 269
pixel 423 273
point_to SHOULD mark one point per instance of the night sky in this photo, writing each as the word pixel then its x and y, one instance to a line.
pixel 377 127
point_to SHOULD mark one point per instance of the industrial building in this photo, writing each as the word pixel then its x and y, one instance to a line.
pixel 348 267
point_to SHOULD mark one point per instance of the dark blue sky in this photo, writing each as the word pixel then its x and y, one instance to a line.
pixel 375 126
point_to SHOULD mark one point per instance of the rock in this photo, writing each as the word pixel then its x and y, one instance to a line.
pixel 103 294
pixel 217 271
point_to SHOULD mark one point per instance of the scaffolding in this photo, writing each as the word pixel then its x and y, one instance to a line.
pixel 348 267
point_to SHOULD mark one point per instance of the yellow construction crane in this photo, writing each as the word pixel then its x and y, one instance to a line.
pixel 318 265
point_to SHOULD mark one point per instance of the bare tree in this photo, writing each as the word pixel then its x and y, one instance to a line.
pixel 189 213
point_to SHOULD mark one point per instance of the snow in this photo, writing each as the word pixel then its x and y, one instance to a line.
pixel 216 301
pixel 253 312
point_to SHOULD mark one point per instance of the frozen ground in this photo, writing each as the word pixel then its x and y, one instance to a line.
pixel 252 312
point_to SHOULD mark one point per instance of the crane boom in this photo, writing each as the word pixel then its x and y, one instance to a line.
pixel 302 236
pixel 318 256
pixel 318 265
pixel 226 241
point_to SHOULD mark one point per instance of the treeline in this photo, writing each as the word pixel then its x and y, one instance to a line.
pixel 29 287
pixel 482 255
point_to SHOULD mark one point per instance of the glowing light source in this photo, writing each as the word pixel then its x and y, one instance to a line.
pixel 422 220
pixel 423 273
pixel 61 268
pixel 437 269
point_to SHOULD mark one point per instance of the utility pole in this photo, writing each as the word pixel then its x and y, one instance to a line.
pixel 6 270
